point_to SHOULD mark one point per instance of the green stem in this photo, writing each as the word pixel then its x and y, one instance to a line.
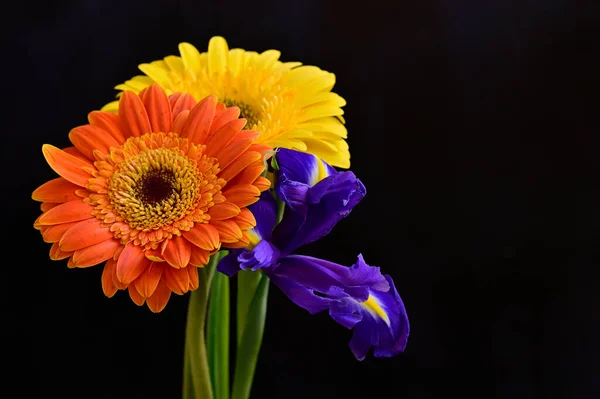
pixel 253 291
pixel 247 281
pixel 247 355
pixel 218 336
pixel 196 377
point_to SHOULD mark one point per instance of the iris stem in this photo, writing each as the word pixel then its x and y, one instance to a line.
pixel 247 281
pixel 251 313
pixel 249 347
pixel 196 376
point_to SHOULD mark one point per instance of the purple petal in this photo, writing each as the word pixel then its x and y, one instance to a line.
pixel 328 202
pixel 393 343
pixel 302 167
pixel 384 325
pixel 293 193
pixel 322 275
pixel 301 295
pixel 229 265
pixel 262 255
pixel 363 339
pixel 358 298
pixel 265 213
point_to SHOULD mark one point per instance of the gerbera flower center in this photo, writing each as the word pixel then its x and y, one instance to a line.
pixel 154 188
pixel 246 111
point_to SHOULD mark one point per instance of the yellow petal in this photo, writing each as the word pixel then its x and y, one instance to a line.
pixel 217 55
pixel 158 74
pixel 190 57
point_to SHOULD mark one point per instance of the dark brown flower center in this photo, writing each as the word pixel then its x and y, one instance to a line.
pixel 246 112
pixel 156 186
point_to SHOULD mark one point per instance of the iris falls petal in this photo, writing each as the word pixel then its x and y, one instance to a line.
pixel 358 297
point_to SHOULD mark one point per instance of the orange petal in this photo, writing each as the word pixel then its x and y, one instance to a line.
pixel 109 122
pixel 204 236
pixel 158 108
pixel 242 195
pixel 261 148
pixel 115 280
pixel 181 102
pixel 57 254
pixel 154 255
pixel 229 231
pixel 135 296
pixel 178 280
pixel 245 219
pixel 71 211
pixel 247 134
pixel 232 152
pixel 179 121
pixel 220 108
pixel 222 137
pixel 243 161
pixel 148 280
pixel 88 138
pixel 248 175
pixel 131 263
pixel 222 118
pixel 177 252
pixel 225 210
pixel 38 226
pixel 193 273
pixel 66 165
pixel 242 243
pixel 46 206
pixel 199 257
pixel 159 299
pixel 85 233
pixel 133 117
pixel 107 282
pixel 199 121
pixel 56 190
pixel 76 153
pixel 262 183
pixel 54 233
pixel 96 253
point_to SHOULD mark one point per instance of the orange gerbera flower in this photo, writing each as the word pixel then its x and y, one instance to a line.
pixel 153 190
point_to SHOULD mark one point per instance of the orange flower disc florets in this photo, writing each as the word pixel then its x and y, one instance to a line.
pixel 159 186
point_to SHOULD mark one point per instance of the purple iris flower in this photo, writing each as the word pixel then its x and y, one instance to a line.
pixel 358 297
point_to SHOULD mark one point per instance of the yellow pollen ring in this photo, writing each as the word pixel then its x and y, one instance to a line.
pixel 128 179
pixel 373 306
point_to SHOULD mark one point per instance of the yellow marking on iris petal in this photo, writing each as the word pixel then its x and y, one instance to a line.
pixel 254 239
pixel 320 173
pixel 373 306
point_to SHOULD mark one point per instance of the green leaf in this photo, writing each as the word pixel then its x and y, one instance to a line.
pixel 247 354
pixel 218 336
pixel 274 163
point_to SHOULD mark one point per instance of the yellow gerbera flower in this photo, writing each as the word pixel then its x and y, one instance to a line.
pixel 292 106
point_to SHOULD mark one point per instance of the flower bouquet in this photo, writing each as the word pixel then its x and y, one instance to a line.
pixel 209 166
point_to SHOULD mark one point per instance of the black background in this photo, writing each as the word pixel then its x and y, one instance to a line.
pixel 473 125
